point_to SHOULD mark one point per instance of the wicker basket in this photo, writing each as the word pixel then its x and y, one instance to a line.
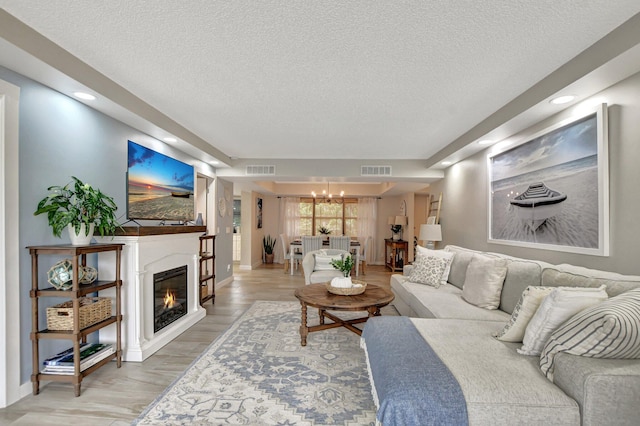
pixel 92 310
pixel 347 291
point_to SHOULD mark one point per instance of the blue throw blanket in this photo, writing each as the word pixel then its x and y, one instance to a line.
pixel 413 385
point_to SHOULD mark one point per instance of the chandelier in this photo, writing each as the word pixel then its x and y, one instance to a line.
pixel 327 196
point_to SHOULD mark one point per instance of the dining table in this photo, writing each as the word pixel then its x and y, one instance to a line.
pixel 296 245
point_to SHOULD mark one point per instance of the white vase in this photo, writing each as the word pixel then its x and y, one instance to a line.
pixel 342 282
pixel 80 239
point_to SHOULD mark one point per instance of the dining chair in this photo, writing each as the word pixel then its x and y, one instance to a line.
pixel 362 257
pixel 340 243
pixel 297 257
pixel 310 244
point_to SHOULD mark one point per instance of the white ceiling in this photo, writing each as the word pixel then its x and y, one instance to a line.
pixel 328 79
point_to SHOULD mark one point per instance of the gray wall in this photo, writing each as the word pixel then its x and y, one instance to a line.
pixel 465 186
pixel 60 137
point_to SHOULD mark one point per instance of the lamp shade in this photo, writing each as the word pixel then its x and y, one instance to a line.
pixel 430 233
pixel 400 220
pixel 391 220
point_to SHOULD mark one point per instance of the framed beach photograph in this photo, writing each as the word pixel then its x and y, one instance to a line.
pixel 551 191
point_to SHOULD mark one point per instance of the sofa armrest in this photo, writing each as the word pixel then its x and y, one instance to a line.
pixel 607 390
pixel 406 270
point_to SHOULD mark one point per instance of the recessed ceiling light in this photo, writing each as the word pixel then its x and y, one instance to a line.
pixel 214 162
pixel 446 163
pixel 85 96
pixel 485 142
pixel 170 139
pixel 562 99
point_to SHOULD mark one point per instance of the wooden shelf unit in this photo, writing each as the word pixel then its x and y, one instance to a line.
pixel 78 256
pixel 207 266
pixel 395 254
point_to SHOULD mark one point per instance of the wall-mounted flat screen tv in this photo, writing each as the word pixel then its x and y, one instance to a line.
pixel 158 187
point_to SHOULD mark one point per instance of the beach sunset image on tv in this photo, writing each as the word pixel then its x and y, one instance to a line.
pixel 159 187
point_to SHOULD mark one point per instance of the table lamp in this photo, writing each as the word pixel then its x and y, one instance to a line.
pixel 430 234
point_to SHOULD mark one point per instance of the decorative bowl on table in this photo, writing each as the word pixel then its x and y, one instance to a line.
pixel 358 288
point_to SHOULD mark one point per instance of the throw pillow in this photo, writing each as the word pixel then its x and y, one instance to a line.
pixel 446 255
pixel 428 270
pixel 483 282
pixel 323 261
pixel 560 305
pixel 609 329
pixel 526 308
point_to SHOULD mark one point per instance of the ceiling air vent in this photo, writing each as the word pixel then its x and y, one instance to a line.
pixel 267 170
pixel 375 170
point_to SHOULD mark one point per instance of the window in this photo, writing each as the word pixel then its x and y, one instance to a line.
pixel 339 218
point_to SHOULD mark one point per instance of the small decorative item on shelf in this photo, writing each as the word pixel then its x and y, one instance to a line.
pixel 60 275
pixel 90 274
pixel 81 209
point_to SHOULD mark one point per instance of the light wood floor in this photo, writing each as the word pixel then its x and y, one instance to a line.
pixel 112 396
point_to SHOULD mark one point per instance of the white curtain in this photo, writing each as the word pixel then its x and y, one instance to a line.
pixel 367 215
pixel 289 222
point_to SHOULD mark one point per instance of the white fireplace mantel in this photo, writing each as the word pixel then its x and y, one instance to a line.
pixel 143 256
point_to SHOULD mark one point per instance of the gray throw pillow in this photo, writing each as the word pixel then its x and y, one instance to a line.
pixel 483 281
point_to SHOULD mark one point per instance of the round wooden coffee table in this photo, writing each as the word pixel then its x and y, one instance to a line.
pixel 316 295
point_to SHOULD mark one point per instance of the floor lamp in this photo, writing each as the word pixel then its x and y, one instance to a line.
pixel 430 234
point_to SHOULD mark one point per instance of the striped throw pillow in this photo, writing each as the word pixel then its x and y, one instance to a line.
pixel 610 329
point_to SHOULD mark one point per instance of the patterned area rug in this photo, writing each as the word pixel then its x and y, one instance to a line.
pixel 257 373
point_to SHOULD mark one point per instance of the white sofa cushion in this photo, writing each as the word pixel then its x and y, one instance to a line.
pixel 428 270
pixel 446 255
pixel 560 305
pixel 526 308
pixel 610 329
pixel 483 281
pixel 444 302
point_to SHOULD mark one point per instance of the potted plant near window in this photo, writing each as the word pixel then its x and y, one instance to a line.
pixel 324 231
pixel 269 244
pixel 81 209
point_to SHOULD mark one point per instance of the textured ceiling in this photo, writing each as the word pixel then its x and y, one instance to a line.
pixel 325 79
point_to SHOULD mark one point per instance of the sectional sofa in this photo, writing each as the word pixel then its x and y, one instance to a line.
pixel 451 359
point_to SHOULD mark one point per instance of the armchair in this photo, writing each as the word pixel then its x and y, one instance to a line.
pixel 319 272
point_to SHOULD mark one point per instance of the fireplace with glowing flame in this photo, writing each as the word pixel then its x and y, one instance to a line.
pixel 169 296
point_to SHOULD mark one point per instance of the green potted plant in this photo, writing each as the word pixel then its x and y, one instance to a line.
pixel 268 244
pixel 81 209
pixel 324 231
pixel 395 229
pixel 344 265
